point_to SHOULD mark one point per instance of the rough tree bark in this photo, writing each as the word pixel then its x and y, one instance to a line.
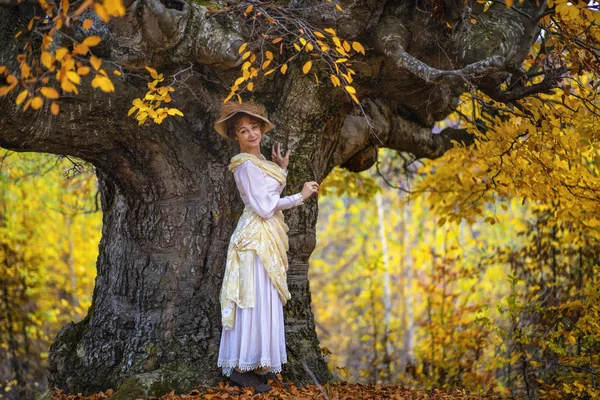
pixel 170 204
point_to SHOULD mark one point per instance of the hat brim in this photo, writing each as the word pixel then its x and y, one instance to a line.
pixel 221 125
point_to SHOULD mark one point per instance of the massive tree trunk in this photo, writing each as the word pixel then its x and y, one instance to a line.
pixel 169 202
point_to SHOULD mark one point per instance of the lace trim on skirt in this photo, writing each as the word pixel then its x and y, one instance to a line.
pixel 228 366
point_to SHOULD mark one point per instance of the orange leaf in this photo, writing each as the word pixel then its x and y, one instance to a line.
pixel 37 102
pixel 92 41
pixel 49 93
pixel 21 97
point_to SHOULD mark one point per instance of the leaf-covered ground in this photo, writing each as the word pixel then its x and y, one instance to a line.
pixel 337 391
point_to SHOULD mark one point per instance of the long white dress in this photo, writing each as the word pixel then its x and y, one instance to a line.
pixel 258 337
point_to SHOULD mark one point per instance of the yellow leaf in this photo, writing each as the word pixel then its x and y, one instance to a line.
pixel 338 7
pixel 248 9
pixel 266 64
pixel 307 67
pixel 303 41
pixel 269 55
pixel 4 90
pixel 87 24
pixel 114 7
pixel 319 34
pixel 239 98
pixel 174 111
pixel 246 55
pixel 37 102
pixel 346 46
pixel 354 98
pixel 341 60
pixel 358 47
pixel 54 108
pixel 509 3
pixel 73 77
pixel 228 97
pixel 131 110
pixel 572 339
pixel 101 11
pixel 239 80
pixel 277 40
pixel 83 70
pixel 49 93
pixel 46 59
pixel 242 47
pixel 251 86
pixel 309 47
pixel 350 89
pixel 80 48
pixel 335 80
pixel 269 72
pixel 83 6
pixel 297 47
pixel 284 68
pixel 153 73
pixel 25 70
pixel 67 86
pixel 60 53
pixel 329 30
pixel 316 78
pixel 103 83
pixel 21 97
pixel 92 41
pixel 96 62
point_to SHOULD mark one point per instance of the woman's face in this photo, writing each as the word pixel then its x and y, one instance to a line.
pixel 248 134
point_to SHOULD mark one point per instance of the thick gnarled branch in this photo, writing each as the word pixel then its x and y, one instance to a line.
pixel 359 139
pixel 467 74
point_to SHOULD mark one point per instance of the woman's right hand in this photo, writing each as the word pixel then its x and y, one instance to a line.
pixel 309 189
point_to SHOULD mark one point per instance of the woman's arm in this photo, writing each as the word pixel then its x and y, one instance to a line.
pixel 251 184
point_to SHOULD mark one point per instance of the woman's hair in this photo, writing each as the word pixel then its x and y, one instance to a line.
pixel 232 123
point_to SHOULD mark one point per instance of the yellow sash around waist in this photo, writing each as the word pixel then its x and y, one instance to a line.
pixel 265 237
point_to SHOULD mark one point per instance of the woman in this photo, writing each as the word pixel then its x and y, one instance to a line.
pixel 254 290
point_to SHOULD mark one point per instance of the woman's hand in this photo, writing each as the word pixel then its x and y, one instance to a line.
pixel 278 158
pixel 309 189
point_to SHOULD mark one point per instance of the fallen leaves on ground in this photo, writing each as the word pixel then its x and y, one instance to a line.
pixel 331 391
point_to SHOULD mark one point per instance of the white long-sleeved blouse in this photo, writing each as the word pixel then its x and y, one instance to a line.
pixel 261 191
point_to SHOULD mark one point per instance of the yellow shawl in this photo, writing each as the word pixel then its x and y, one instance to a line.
pixel 254 234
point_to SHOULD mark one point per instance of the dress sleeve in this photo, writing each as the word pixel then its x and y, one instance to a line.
pixel 253 189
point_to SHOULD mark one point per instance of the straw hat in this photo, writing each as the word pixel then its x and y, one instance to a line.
pixel 231 108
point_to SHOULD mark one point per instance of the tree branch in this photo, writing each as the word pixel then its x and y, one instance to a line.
pixel 550 82
pixel 402 59
pixel 356 149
